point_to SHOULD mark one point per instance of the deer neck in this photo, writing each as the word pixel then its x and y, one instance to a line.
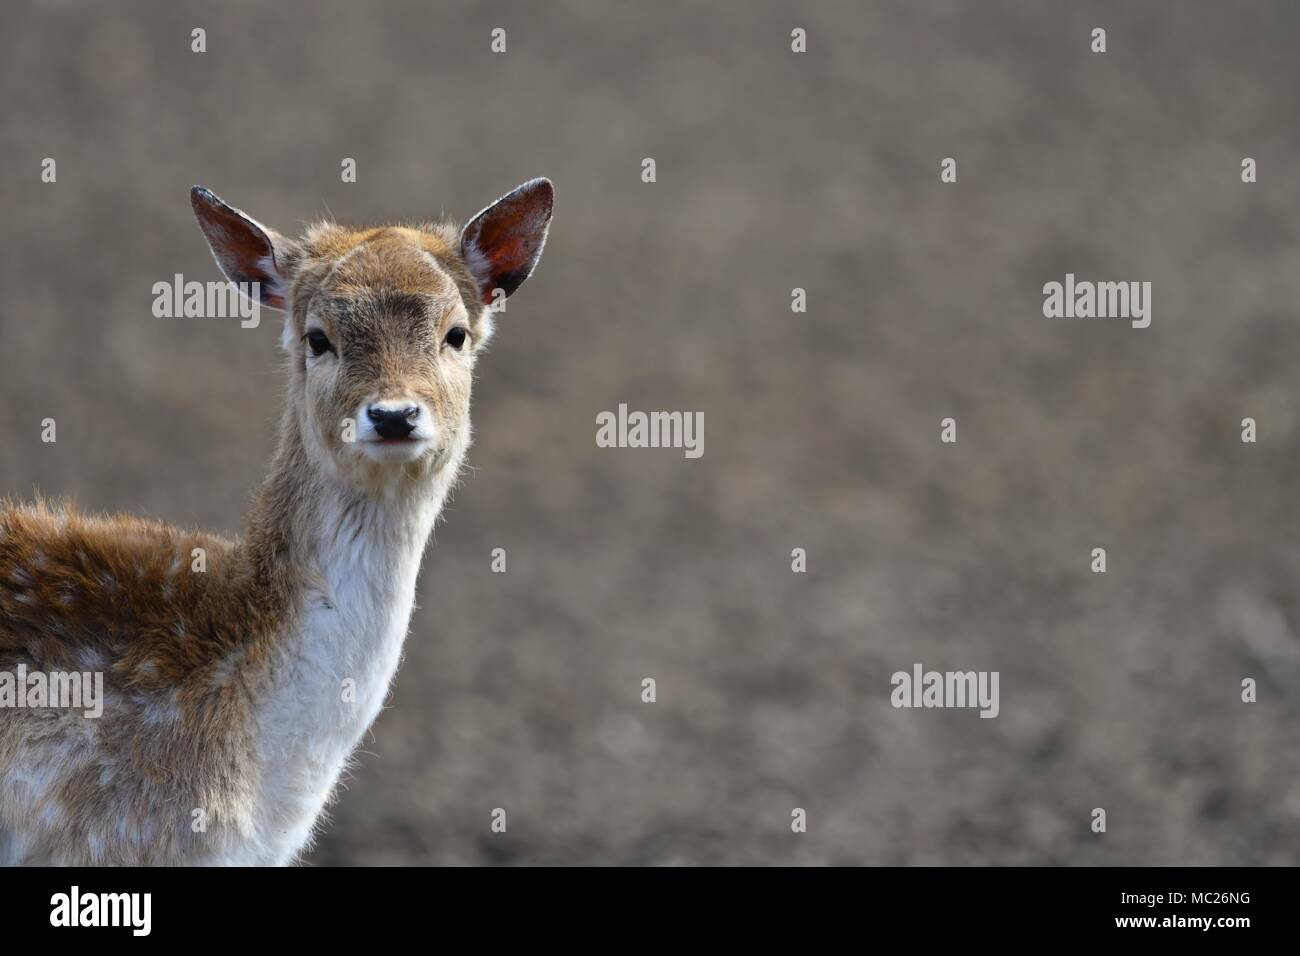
pixel 341 553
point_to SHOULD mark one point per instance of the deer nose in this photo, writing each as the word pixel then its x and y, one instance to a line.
pixel 393 422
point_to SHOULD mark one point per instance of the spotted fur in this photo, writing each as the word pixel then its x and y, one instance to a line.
pixel 240 674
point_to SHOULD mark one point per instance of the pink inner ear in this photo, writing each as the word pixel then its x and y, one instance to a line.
pixel 510 238
pixel 509 253
pixel 503 240
pixel 250 254
pixel 241 247
pixel 507 237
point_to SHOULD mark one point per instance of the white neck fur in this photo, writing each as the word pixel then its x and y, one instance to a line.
pixel 334 665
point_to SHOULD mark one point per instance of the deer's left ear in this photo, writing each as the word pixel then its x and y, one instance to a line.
pixel 246 250
pixel 501 245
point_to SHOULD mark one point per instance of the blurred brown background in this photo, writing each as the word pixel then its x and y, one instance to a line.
pixel 775 170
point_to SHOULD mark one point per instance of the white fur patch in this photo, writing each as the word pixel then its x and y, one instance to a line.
pixel 342 657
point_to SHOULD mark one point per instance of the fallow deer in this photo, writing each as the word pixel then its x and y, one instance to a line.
pixel 237 687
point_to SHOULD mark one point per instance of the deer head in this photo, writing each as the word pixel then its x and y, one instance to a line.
pixel 383 325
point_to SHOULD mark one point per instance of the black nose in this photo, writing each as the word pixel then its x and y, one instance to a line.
pixel 393 422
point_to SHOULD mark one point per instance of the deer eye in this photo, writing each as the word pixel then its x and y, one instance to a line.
pixel 318 342
pixel 457 337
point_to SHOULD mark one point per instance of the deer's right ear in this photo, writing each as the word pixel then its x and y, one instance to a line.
pixel 245 250
pixel 501 245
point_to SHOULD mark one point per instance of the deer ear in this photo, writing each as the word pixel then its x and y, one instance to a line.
pixel 501 245
pixel 245 250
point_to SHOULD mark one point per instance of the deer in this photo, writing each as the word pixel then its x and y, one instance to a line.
pixel 240 674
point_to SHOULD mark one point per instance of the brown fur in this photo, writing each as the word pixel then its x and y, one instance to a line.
pixel 189 657
pixel 117 594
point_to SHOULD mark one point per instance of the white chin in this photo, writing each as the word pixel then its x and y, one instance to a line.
pixel 395 451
